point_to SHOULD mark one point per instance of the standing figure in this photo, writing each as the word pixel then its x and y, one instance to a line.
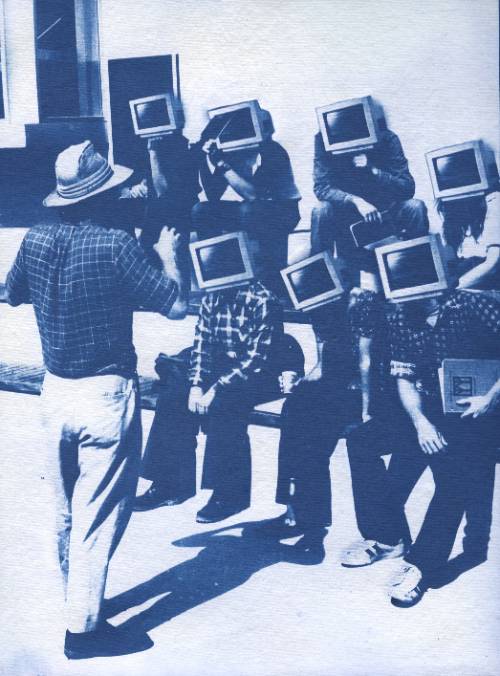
pixel 85 281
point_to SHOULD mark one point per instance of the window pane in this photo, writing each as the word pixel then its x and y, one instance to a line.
pixel 67 58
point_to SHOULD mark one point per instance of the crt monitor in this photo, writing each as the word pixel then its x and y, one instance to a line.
pixel 462 170
pixel 413 269
pixel 154 115
pixel 349 125
pixel 222 262
pixel 236 126
pixel 313 281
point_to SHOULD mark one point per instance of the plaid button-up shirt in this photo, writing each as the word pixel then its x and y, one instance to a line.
pixel 467 327
pixel 84 283
pixel 236 329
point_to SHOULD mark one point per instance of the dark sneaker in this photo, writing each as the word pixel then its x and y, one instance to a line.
pixel 218 510
pixel 155 497
pixel 106 641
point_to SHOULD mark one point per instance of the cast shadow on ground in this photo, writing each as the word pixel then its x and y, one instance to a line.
pixel 225 562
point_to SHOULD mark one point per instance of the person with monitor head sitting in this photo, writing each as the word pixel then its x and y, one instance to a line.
pixel 169 190
pixel 471 225
pixel 363 186
pixel 250 189
pixel 460 449
pixel 84 280
pixel 229 370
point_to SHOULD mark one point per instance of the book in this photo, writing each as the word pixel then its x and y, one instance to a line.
pixel 461 378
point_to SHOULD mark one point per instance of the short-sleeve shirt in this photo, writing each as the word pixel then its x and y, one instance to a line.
pixel 491 232
pixel 467 327
pixel 84 283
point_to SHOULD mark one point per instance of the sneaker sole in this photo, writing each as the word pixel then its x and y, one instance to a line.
pixel 409 604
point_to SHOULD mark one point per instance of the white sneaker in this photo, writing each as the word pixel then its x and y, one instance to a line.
pixel 366 552
pixel 406 589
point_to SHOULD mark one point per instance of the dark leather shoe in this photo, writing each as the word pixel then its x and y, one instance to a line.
pixel 105 641
pixel 218 510
pixel 278 528
pixel 155 497
pixel 310 550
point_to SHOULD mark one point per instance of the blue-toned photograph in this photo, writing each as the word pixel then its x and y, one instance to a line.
pixel 249 337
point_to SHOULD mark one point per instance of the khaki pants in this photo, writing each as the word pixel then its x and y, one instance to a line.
pixel 93 428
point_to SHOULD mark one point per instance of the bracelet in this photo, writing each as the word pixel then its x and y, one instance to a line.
pixel 221 167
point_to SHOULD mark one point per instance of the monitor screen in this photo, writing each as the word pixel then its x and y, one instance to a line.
pixel 346 124
pixel 456 170
pixel 221 259
pixel 410 267
pixel 311 280
pixel 236 125
pixel 151 114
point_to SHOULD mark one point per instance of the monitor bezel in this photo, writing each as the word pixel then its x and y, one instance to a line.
pixel 258 137
pixel 345 146
pixel 322 298
pixel 415 292
pixel 220 283
pixel 160 129
pixel 461 191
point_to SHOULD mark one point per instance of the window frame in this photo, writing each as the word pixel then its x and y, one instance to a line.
pixel 3 68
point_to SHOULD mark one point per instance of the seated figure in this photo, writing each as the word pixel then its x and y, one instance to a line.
pixel 250 189
pixel 231 368
pixel 471 225
pixel 353 187
pixel 460 449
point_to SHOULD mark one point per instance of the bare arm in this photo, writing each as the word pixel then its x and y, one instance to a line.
pixel 168 251
pixel 480 273
pixel 364 370
pixel 430 439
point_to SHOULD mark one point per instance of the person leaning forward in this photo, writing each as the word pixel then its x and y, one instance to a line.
pixel 84 281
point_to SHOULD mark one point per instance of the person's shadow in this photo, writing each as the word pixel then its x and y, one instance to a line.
pixel 226 562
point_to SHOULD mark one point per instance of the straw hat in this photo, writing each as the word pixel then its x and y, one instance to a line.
pixel 81 172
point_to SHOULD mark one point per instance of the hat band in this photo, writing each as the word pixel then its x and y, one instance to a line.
pixel 87 185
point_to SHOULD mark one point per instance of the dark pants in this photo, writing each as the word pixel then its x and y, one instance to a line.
pixel 267 221
pixel 380 495
pixel 330 226
pixel 313 418
pixel 170 456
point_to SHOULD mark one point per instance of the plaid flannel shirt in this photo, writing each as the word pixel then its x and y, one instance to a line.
pixel 467 327
pixel 84 283
pixel 235 328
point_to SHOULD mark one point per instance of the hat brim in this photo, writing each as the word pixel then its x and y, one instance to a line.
pixel 120 175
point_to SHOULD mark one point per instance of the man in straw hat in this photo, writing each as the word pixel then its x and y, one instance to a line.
pixel 84 281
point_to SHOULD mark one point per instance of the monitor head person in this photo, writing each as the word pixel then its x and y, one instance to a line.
pixel 461 217
pixel 267 124
pixel 87 186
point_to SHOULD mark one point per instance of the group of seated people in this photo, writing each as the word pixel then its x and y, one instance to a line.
pixel 376 377
pixel 377 368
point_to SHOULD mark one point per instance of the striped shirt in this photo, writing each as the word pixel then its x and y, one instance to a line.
pixel 85 282
pixel 237 328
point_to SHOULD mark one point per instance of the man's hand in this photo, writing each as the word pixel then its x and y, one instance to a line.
pixel 140 190
pixel 367 211
pixel 205 401
pixel 429 437
pixel 477 406
pixel 168 247
pixel 360 161
pixel 215 155
pixel 195 394
pixel 315 374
